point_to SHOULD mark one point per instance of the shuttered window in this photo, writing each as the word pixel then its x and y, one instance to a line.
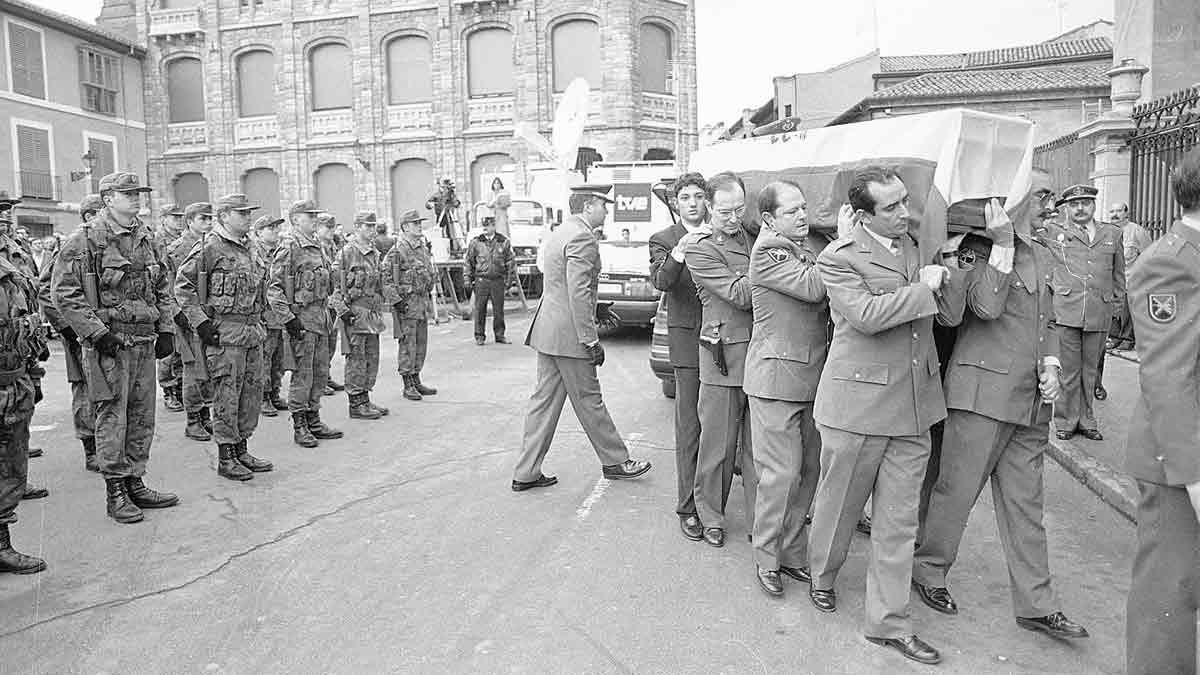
pixel 576 46
pixel 654 55
pixel 33 154
pixel 410 79
pixel 185 91
pixel 25 55
pixel 332 75
pixel 190 188
pixel 490 62
pixel 261 186
pixel 104 160
pixel 99 81
pixel 256 83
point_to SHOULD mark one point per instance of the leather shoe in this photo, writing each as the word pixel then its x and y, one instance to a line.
pixel 798 573
pixel 501 340
pixel 541 481
pixel 35 452
pixel 1064 435
pixel 826 601
pixel 768 580
pixel 1056 625
pixel 691 527
pixel 1091 434
pixel 32 492
pixel 630 468
pixel 1101 393
pixel 911 647
pixel 479 341
pixel 937 598
pixel 863 526
pixel 714 536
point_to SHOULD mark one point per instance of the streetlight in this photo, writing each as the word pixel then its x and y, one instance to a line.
pixel 90 160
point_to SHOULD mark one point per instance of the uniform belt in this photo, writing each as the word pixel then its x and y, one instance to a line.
pixel 133 329
pixel 239 318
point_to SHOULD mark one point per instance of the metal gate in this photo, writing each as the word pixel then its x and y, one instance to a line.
pixel 1166 129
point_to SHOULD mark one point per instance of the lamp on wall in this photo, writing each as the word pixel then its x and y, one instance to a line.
pixel 362 154
pixel 90 160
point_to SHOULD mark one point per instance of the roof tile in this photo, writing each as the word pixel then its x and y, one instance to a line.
pixel 958 83
pixel 1008 56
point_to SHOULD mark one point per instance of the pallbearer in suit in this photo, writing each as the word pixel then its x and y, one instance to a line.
pixel 563 332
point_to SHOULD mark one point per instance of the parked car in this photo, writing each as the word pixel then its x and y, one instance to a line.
pixel 625 282
pixel 660 351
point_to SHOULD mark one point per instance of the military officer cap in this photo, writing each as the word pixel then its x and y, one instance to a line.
pixel 7 202
pixel 411 216
pixel 304 206
pixel 1077 192
pixel 263 222
pixel 6 217
pixel 198 209
pixel 93 203
pixel 170 210
pixel 236 202
pixel 325 219
pixel 122 181
pixel 597 190
pixel 365 218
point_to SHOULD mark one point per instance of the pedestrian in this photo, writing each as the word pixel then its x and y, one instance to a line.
pixel 490 263
pixel 669 274
pixel 1089 285
pixel 298 292
pixel 499 202
pixel 787 351
pixel 563 332
pixel 879 394
pixel 1162 452
pixel 170 369
pixel 331 242
pixel 221 288
pixel 719 262
pixel 124 322
pixel 265 232
pixel 408 277
pixel 1003 376
pixel 197 386
pixel 358 295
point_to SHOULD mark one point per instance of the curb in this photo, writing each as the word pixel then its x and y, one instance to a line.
pixel 1113 487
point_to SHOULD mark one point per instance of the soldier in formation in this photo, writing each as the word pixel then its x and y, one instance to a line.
pixel 358 298
pixel 331 243
pixel 265 233
pixel 197 388
pixel 170 369
pixel 408 277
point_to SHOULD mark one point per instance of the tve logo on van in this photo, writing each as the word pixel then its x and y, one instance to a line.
pixel 633 202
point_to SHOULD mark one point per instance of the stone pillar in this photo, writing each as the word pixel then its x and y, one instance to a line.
pixel 1110 172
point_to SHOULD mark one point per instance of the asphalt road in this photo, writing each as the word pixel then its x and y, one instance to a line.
pixel 401 549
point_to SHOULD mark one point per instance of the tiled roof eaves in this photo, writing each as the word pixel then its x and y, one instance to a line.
pixel 69 24
pixel 1041 53
pixel 972 82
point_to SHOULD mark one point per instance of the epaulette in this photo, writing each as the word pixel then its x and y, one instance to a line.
pixel 840 243
pixel 1170 244
pixel 705 235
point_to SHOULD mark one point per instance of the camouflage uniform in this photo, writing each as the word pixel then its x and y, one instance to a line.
pixel 170 369
pixel 273 345
pixel 17 252
pixel 359 289
pixel 83 414
pixel 408 277
pixel 197 386
pixel 301 262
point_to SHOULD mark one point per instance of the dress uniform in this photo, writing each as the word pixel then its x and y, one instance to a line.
pixel 783 366
pixel 1163 452
pixel 1089 281
pixel 221 288
pixel 170 369
pixel 197 387
pixel 408 278
pixel 273 345
pixel 358 286
pixel 490 264
pixel 113 290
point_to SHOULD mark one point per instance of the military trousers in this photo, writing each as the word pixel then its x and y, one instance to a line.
pixel 560 378
pixel 17 402
pixel 237 376
pixel 1079 352
pixel 1160 612
pixel 687 437
pixel 978 450
pixel 197 388
pixel 411 345
pixel 83 413
pixel 362 363
pixel 724 432
pixel 889 470
pixel 273 359
pixel 489 290
pixel 170 371
pixel 125 422
pixel 311 374
pixel 787 462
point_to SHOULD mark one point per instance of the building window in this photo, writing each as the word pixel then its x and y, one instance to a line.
pixel 256 83
pixel 33 162
pixel 261 186
pixel 410 79
pixel 576 46
pixel 334 187
pixel 185 91
pixel 99 81
pixel 190 188
pixel 654 58
pixel 25 60
pixel 104 159
pixel 332 77
pixel 412 182
pixel 490 62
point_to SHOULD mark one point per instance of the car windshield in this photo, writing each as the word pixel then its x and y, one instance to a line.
pixel 522 210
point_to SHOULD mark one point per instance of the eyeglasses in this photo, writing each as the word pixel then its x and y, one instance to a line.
pixel 728 214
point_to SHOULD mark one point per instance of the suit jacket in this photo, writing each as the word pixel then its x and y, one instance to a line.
pixel 881 377
pixel 1004 337
pixel 720 266
pixel 683 306
pixel 1164 300
pixel 791 319
pixel 1089 280
pixel 565 318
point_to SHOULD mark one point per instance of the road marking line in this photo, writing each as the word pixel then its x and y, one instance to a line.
pixel 598 491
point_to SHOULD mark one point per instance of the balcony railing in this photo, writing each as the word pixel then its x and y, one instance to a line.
pixel 40 185
pixel 490 112
pixel 659 110
pixel 187 137
pixel 183 21
pixel 258 131
pixel 327 125
pixel 410 118
pixel 595 106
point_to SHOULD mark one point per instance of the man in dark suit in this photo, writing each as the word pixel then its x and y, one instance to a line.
pixel 669 273
pixel 563 332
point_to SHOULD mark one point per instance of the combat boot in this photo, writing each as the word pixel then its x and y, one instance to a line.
pixel 250 461
pixel 319 428
pixel 410 388
pixel 195 428
pixel 334 385
pixel 120 508
pixel 228 465
pixel 267 410
pixel 301 435
pixel 171 400
pixel 206 419
pixel 89 454
pixel 425 391
pixel 13 562
pixel 361 410
pixel 277 402
pixel 145 498
pixel 371 404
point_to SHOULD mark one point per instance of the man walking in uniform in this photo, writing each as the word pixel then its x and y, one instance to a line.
pixel 408 277
pixel 170 369
pixel 266 242
pixel 669 274
pixel 359 297
pixel 563 332
pixel 490 264
pixel 197 388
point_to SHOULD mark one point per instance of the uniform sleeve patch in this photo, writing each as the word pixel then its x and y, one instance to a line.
pixel 778 254
pixel 1162 307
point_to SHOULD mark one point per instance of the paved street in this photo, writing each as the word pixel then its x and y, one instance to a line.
pixel 401 549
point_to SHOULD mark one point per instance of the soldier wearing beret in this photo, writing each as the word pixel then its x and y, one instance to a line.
pixel 358 295
pixel 197 387
pixel 408 278
pixel 265 233
pixel 170 369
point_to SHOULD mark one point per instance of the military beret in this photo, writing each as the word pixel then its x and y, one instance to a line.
pixel 1075 193
pixel 122 181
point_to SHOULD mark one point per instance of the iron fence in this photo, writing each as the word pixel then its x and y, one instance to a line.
pixel 1166 128
pixel 1067 159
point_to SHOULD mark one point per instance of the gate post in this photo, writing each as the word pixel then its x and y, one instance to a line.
pixel 1110 173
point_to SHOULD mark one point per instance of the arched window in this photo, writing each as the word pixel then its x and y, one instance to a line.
pixel 412 183
pixel 261 186
pixel 486 165
pixel 334 187
pixel 331 77
pixel 185 90
pixel 654 55
pixel 410 78
pixel 190 188
pixel 256 83
pixel 490 62
pixel 576 46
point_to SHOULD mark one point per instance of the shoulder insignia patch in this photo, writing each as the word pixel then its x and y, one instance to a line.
pixel 778 254
pixel 1162 307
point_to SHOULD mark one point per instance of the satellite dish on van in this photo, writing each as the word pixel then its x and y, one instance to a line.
pixel 569 119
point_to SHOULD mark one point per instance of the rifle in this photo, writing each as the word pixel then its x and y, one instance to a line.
pixel 99 388
pixel 91 279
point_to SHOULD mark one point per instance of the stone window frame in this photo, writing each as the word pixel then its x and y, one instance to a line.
pixel 672 32
pixel 234 57
pixel 309 91
pixel 385 64
pixel 164 73
pixel 466 52
pixel 553 24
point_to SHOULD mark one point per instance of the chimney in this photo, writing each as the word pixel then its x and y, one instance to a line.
pixel 120 17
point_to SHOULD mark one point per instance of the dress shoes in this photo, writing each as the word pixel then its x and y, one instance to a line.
pixel 798 573
pixel 691 527
pixel 863 526
pixel 1064 435
pixel 911 647
pixel 714 536
pixel 630 468
pixel 501 340
pixel 1091 434
pixel 34 492
pixel 479 341
pixel 768 580
pixel 35 452
pixel 826 601
pixel 937 598
pixel 540 482
pixel 1056 625
pixel 1101 393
